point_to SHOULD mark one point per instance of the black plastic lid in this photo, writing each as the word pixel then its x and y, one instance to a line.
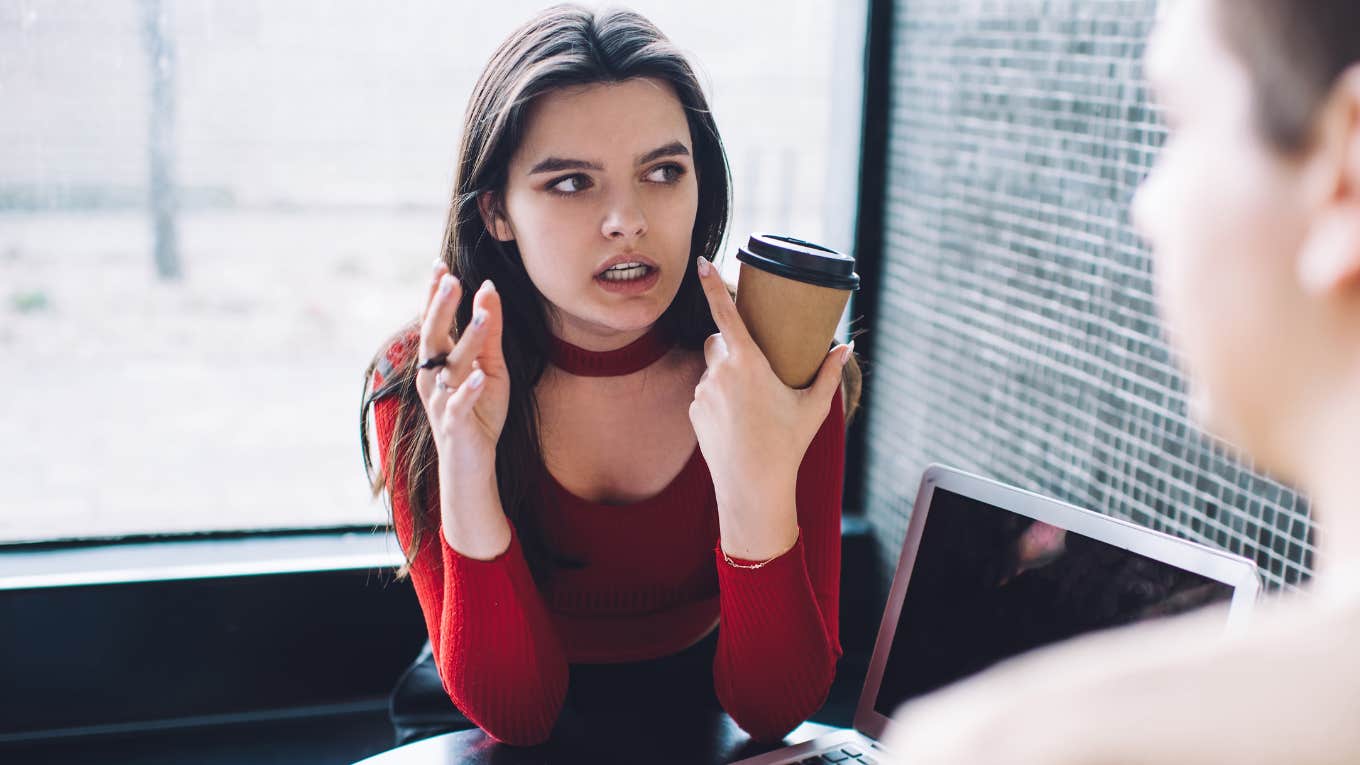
pixel 801 261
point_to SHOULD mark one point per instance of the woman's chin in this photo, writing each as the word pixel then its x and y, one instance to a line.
pixel 617 320
pixel 630 316
pixel 1209 414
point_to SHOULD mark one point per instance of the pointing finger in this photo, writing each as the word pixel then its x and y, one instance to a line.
pixel 724 310
pixel 715 349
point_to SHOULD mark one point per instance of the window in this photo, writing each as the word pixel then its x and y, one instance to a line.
pixel 185 353
pixel 1017 322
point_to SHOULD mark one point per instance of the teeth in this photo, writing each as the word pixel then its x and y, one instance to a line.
pixel 623 266
pixel 617 274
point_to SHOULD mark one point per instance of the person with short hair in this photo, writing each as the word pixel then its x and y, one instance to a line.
pixel 1253 214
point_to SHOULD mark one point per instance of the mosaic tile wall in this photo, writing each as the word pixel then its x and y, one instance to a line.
pixel 1016 330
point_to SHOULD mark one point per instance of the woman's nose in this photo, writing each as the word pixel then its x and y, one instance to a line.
pixel 1154 209
pixel 625 218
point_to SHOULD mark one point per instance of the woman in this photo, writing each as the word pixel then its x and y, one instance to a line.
pixel 1253 213
pixel 588 458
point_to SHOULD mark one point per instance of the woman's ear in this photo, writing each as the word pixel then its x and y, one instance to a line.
pixel 493 216
pixel 1330 257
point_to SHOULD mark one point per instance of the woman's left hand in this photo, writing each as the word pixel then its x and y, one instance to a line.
pixel 754 430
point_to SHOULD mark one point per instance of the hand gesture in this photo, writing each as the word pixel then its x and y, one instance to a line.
pixel 753 429
pixel 463 382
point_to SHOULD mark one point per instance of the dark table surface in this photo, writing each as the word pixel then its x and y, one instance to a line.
pixel 708 738
pixel 660 711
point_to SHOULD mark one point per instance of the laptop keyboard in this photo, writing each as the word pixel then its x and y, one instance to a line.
pixel 846 755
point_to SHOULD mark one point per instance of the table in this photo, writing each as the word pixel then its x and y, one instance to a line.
pixel 659 711
pixel 708 738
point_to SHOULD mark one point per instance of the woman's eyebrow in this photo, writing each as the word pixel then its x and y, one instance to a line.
pixel 554 164
pixel 672 149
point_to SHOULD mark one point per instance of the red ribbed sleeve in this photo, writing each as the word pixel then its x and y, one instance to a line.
pixel 780 640
pixel 498 655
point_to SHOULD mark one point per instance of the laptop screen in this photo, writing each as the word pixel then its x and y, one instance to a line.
pixel 988 584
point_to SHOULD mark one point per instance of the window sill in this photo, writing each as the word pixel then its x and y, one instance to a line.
pixel 180 559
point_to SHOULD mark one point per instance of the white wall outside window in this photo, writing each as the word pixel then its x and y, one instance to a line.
pixel 313 149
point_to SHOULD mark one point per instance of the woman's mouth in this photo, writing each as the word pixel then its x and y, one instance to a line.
pixel 625 272
pixel 632 278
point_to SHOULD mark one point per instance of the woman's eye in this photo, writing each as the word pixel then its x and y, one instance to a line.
pixel 666 174
pixel 570 184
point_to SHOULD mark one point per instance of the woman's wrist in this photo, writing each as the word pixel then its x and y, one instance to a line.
pixel 473 520
pixel 758 521
pixel 754 553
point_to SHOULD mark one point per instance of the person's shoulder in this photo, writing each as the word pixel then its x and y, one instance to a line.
pixel 392 354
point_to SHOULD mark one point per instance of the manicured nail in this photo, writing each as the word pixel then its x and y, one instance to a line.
pixel 437 263
pixel 446 284
pixel 478 318
pixel 849 351
pixel 704 266
pixel 487 286
pixel 476 379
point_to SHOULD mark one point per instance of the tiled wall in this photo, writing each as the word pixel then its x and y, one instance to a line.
pixel 1016 328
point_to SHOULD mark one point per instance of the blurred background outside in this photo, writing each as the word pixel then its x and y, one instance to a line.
pixel 303 155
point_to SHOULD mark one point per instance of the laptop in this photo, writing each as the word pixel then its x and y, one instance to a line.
pixel 989 571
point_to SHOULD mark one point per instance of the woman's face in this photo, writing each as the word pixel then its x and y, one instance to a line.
pixel 1225 216
pixel 605 174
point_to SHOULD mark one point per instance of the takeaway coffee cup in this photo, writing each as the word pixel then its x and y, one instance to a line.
pixel 791 294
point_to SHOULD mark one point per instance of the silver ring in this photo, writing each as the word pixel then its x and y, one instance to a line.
pixel 441 385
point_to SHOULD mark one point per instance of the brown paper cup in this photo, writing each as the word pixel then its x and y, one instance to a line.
pixel 793 322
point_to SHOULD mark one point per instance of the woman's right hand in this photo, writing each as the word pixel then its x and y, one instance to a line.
pixel 466 400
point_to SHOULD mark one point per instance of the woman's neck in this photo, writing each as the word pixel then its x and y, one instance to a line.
pixel 588 350
pixel 593 337
pixel 1330 475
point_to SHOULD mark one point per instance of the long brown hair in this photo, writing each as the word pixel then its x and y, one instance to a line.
pixel 563 46
pixel 1293 52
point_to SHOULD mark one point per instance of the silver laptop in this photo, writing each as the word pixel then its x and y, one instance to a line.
pixel 989 571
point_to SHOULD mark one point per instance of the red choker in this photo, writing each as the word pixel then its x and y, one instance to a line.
pixel 636 356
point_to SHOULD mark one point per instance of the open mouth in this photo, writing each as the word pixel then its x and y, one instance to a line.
pixel 626 272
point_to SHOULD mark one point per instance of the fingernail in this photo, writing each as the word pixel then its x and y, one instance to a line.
pixel 476 379
pixel 487 286
pixel 704 266
pixel 437 263
pixel 849 351
pixel 445 284
pixel 478 318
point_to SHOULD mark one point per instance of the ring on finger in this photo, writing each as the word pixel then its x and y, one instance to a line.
pixel 440 384
pixel 436 361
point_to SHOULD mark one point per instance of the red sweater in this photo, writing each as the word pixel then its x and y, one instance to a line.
pixel 655 582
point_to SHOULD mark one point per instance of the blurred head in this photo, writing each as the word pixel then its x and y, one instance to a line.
pixel 1253 213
